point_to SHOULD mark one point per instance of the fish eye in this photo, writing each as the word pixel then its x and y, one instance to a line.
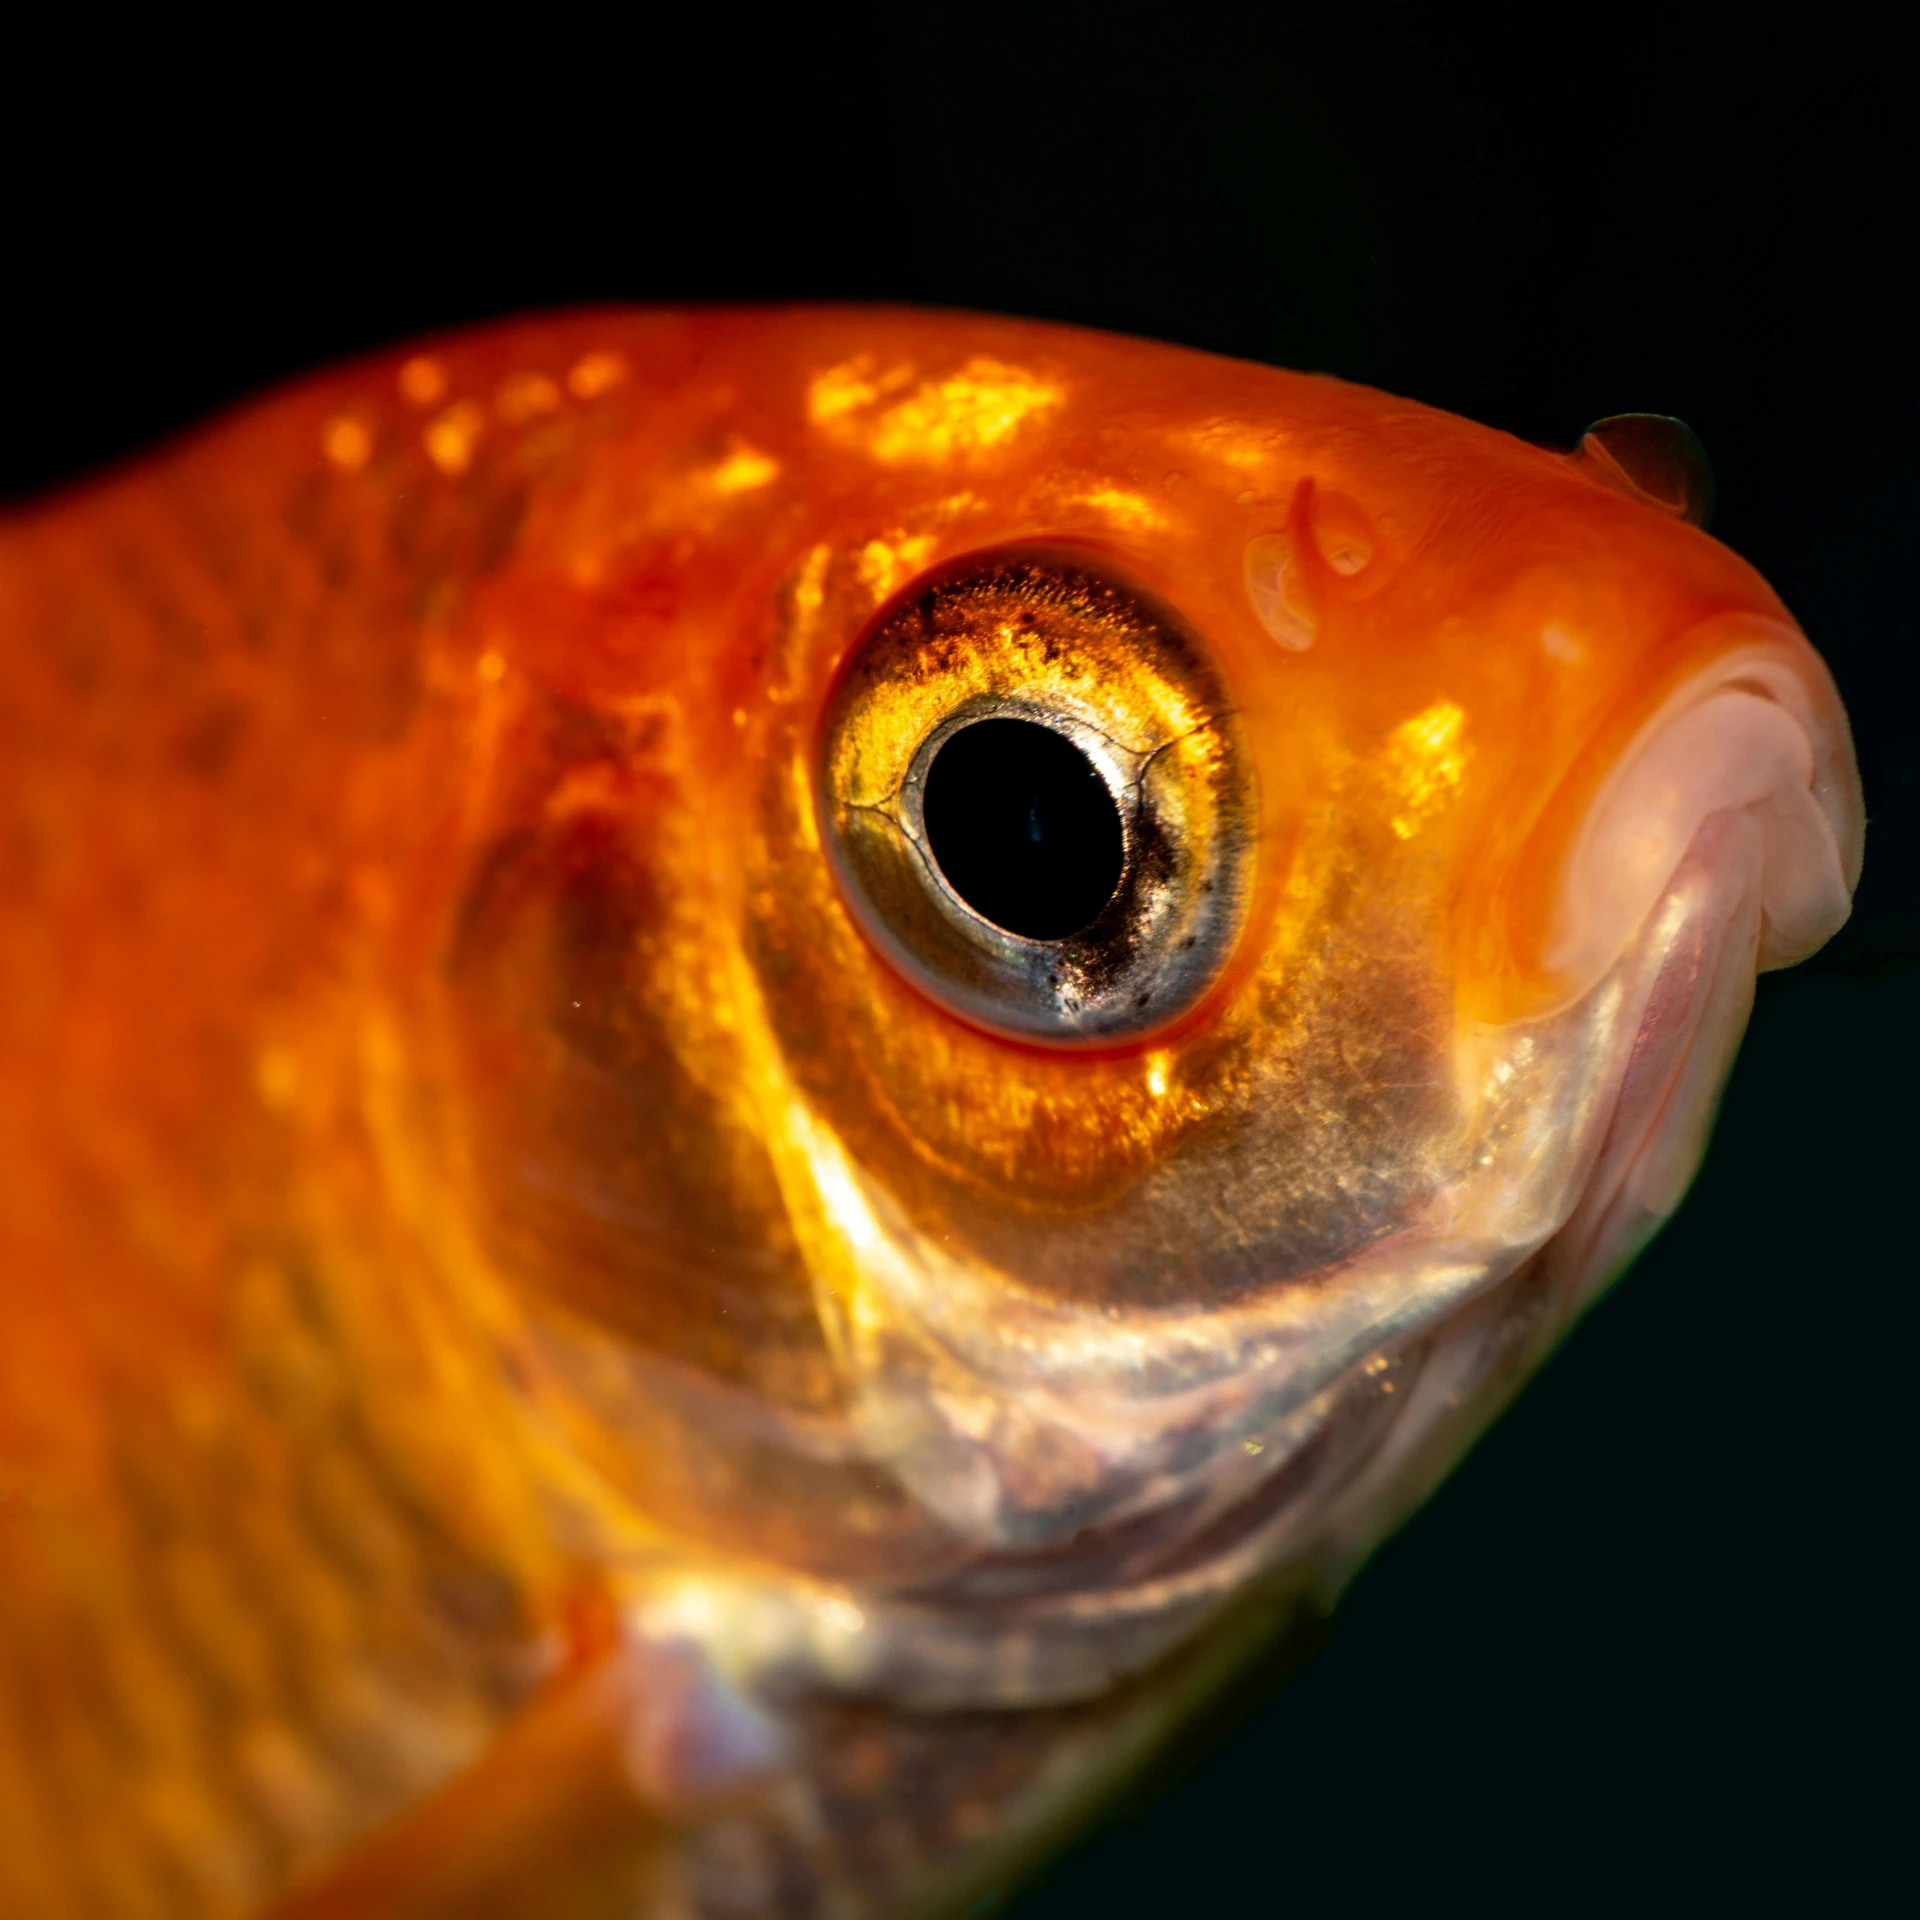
pixel 1037 798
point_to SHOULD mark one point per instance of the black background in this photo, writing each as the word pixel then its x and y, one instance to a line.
pixel 1649 1646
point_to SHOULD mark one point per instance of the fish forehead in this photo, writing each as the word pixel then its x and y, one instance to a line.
pixel 531 1168
pixel 623 496
pixel 623 427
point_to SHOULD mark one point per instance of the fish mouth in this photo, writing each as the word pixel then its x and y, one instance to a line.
pixel 1756 731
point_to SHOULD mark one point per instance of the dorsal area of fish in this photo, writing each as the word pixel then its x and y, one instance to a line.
pixel 611 1306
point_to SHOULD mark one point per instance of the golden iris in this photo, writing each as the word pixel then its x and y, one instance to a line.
pixel 1038 800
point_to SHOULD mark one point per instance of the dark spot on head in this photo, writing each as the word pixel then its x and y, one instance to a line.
pixel 206 744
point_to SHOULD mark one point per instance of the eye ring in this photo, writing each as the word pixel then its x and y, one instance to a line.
pixel 1053 640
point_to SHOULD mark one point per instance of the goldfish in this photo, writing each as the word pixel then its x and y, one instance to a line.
pixel 761 1072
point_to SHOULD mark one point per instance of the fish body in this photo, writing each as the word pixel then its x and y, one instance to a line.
pixel 612 1306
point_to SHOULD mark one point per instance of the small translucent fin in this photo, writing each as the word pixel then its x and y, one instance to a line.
pixel 570 1812
pixel 547 1822
pixel 1650 457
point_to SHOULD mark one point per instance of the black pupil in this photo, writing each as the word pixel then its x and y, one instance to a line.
pixel 1023 827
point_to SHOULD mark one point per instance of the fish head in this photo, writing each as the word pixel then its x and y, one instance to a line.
pixel 1161 930
pixel 735 1028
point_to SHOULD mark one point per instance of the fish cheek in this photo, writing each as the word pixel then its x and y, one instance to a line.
pixel 1310 1115
pixel 612 1172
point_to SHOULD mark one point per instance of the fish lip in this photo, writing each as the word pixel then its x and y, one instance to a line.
pixel 1775 657
pixel 1592 911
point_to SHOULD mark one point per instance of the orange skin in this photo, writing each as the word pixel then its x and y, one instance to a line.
pixel 308 723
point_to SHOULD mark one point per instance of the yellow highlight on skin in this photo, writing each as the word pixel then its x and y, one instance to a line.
pixel 1425 765
pixel 451 439
pixel 422 380
pixel 884 564
pixel 525 396
pixel 851 386
pixel 743 470
pixel 346 443
pixel 1127 511
pixel 980 407
pixel 596 373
